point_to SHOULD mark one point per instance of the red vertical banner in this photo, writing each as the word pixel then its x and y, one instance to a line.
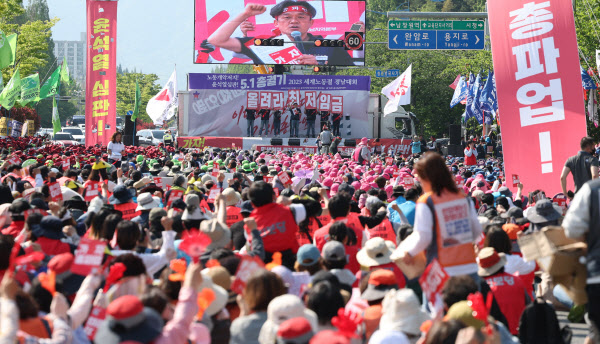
pixel 324 102
pixel 310 100
pixel 101 76
pixel 538 80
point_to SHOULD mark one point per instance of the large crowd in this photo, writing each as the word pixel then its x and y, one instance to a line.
pixel 163 245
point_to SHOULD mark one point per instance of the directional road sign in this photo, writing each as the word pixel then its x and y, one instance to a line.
pixel 390 73
pixel 436 35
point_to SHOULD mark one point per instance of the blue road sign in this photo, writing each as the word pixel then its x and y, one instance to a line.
pixel 389 73
pixel 436 39
pixel 129 113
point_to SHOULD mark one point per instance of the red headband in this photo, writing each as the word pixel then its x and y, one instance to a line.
pixel 490 261
pixel 295 8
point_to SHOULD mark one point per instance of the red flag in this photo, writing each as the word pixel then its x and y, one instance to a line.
pixel 455 83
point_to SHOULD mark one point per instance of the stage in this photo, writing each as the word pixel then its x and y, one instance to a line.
pixel 307 145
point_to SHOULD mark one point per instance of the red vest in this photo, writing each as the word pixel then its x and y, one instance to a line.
pixel 233 215
pixel 128 210
pixel 302 238
pixel 383 230
pixel 471 160
pixel 322 235
pixel 277 227
pixel 509 293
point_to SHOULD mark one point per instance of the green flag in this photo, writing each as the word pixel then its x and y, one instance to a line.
pixel 30 89
pixel 8 49
pixel 55 117
pixel 50 87
pixel 64 72
pixel 11 92
pixel 138 102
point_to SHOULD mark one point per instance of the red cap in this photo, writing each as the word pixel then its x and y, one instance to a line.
pixel 382 277
pixel 294 328
pixel 61 263
pixel 125 307
pixel 329 337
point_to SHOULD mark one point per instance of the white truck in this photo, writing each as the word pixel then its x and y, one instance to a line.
pixel 397 125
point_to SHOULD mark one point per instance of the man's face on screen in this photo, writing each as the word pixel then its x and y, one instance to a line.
pixel 293 21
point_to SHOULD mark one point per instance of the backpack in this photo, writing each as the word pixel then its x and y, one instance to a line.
pixel 539 324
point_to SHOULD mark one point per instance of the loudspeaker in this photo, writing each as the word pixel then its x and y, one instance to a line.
pixel 128 140
pixel 350 143
pixel 294 142
pixel 129 131
pixel 455 134
pixel 276 142
pixel 455 150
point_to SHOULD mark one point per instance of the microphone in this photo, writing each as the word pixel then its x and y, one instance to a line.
pixel 297 36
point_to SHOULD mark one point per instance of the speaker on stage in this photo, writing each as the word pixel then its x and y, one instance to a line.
pixel 455 150
pixel 294 142
pixel 350 143
pixel 276 142
pixel 455 134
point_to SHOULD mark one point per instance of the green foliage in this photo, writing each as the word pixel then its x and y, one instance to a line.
pixel 32 44
pixel 126 93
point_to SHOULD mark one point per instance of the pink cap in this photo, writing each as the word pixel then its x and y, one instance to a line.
pixel 328 182
pixel 356 185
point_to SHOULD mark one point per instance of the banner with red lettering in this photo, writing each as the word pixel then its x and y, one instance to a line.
pixel 540 99
pixel 218 102
pixel 101 75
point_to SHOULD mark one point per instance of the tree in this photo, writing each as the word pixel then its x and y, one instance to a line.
pixel 126 92
pixel 32 43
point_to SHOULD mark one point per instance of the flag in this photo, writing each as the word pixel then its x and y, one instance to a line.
pixel 50 87
pixel 64 72
pixel 30 89
pixel 8 49
pixel 586 80
pixel 593 107
pixel 455 83
pixel 159 106
pixel 488 99
pixel 11 92
pixel 476 105
pixel 56 127
pixel 470 94
pixel 138 101
pixel 460 92
pixel 398 91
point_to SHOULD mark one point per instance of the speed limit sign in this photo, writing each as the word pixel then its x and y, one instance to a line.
pixel 353 40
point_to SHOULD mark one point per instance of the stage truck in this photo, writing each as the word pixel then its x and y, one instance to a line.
pixel 394 131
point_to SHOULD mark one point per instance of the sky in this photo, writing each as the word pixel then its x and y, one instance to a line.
pixel 152 35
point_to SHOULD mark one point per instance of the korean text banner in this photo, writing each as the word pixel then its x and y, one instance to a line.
pixel 217 102
pixel 101 79
pixel 224 31
pixel 534 48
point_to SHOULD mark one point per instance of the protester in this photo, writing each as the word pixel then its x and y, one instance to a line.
pixel 313 259
pixel 583 166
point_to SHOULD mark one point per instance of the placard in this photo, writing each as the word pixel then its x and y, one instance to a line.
pixel 88 256
pixel 174 195
pixel 248 265
pixel 95 320
pixel 212 195
pixel 516 180
pixel 55 192
pixel 28 212
pixel 14 160
pixel 432 282
pixel 389 160
pixel 284 178
pixel 92 190
pixel 158 181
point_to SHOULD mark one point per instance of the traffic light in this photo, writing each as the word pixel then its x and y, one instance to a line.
pixel 268 42
pixel 336 43
pixel 324 69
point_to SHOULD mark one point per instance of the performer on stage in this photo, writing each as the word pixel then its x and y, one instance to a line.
pixel 324 120
pixel 295 120
pixel 336 118
pixel 264 121
pixel 276 122
pixel 250 114
pixel 311 117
